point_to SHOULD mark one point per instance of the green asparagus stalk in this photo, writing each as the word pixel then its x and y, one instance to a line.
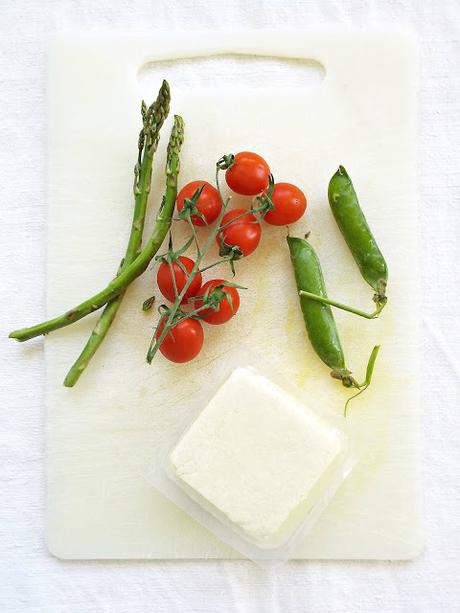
pixel 152 118
pixel 139 265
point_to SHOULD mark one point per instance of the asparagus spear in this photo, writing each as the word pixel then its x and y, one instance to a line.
pixel 152 119
pixel 138 266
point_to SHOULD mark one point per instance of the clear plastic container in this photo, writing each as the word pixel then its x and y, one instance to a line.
pixel 252 462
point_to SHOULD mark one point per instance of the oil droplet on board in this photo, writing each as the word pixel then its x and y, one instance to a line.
pixel 301 368
pixel 261 294
pixel 290 317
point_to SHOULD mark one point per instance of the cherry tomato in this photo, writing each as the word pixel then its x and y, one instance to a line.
pixel 290 204
pixel 244 232
pixel 226 308
pixel 165 279
pixel 208 203
pixel 183 342
pixel 249 174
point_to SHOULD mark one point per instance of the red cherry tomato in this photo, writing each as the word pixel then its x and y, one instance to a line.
pixel 249 174
pixel 183 342
pixel 165 279
pixel 208 203
pixel 290 204
pixel 244 232
pixel 226 309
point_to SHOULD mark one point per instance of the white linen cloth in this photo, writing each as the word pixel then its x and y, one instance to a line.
pixel 33 581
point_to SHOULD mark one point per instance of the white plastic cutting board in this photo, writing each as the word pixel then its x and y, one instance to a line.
pixel 102 434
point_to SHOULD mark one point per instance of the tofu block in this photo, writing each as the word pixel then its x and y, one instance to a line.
pixel 256 455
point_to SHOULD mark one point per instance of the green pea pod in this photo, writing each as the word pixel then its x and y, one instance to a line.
pixel 356 232
pixel 318 317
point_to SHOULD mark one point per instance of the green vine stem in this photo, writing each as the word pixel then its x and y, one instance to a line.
pixel 225 258
pixel 139 265
pixel 344 307
pixel 152 119
pixel 369 372
pixel 174 311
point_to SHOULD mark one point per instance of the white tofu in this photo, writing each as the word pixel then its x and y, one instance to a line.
pixel 255 454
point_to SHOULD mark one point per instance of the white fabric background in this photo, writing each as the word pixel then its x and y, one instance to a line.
pixel 30 579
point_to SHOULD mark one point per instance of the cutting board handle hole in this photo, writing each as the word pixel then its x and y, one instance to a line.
pixel 232 70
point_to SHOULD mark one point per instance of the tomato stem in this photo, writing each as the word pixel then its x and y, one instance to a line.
pixel 155 343
pixel 225 162
pixel 174 314
pixel 248 212
pixel 221 261
pixel 195 237
pixel 173 277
